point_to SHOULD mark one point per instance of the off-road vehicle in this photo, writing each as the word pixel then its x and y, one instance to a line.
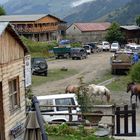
pixel 39 66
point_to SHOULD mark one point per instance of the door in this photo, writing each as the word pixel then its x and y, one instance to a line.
pixel 1 115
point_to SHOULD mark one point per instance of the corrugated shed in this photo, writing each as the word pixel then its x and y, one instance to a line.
pixel 89 27
pixel 10 28
pixel 131 27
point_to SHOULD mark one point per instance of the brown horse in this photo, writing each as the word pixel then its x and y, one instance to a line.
pixel 72 89
pixel 135 90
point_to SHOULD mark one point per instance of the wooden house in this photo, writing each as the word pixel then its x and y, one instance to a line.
pixel 87 32
pixel 12 86
pixel 38 27
pixel 131 33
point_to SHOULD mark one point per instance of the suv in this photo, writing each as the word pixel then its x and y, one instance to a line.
pixel 87 48
pixel 94 48
pixel 54 107
pixel 39 66
pixel 78 53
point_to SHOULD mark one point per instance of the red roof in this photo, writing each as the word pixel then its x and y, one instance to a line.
pixel 88 27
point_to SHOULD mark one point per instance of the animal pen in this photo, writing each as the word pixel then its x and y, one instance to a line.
pixel 93 116
pixel 115 114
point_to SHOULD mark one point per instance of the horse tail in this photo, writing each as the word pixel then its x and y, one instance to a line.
pixel 107 94
pixel 66 90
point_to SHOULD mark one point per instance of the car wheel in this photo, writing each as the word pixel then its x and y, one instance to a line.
pixel 46 73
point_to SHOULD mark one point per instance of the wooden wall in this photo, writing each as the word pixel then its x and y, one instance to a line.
pixel 10 49
pixel 8 72
pixel 47 19
pixel 11 66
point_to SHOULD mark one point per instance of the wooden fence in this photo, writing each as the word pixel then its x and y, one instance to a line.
pixel 91 116
pixel 125 114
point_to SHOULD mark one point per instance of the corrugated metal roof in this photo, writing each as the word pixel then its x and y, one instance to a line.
pixel 86 27
pixel 21 17
pixel 130 27
pixel 3 25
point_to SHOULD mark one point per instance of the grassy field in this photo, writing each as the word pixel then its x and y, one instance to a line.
pixel 53 75
pixel 120 83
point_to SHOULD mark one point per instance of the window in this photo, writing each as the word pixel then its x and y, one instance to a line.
pixel 45 105
pixel 64 101
pixel 14 94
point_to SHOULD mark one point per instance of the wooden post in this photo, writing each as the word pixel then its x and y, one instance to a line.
pixel 118 120
pixel 134 119
pixel 113 120
pixel 70 116
pixel 126 119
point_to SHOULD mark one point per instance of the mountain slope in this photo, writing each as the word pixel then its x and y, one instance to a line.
pixel 59 8
pixel 94 10
pixel 124 15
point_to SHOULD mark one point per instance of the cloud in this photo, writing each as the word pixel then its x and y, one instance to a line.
pixel 3 1
pixel 79 2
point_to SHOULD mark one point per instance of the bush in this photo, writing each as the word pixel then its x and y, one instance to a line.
pixel 135 72
pixel 39 47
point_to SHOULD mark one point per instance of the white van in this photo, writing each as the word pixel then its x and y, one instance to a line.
pixel 115 47
pixel 48 113
pixel 105 46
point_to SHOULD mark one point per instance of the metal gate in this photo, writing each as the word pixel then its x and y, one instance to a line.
pixel 125 114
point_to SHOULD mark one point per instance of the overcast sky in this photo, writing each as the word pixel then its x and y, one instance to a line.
pixel 3 1
pixel 79 2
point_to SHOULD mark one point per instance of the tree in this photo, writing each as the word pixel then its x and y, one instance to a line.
pixel 114 34
pixel 138 20
pixel 135 72
pixel 2 11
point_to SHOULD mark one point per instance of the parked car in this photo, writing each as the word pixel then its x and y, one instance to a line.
pixel 78 53
pixel 88 48
pixel 47 106
pixel 39 66
pixel 104 45
pixel 114 47
pixel 134 47
pixel 94 48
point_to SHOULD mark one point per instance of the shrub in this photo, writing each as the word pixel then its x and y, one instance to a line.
pixel 39 47
pixel 135 72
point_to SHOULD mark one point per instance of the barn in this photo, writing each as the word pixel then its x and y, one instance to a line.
pixel 88 32
pixel 12 82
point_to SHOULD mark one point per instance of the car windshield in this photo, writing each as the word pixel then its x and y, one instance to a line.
pixel 106 43
pixel 75 50
pixel 87 47
pixel 114 45
pixel 38 60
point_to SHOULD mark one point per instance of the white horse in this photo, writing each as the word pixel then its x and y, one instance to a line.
pixel 96 90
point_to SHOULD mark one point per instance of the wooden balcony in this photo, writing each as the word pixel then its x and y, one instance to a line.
pixel 40 29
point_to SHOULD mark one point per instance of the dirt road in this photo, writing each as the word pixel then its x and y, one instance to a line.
pixel 91 68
